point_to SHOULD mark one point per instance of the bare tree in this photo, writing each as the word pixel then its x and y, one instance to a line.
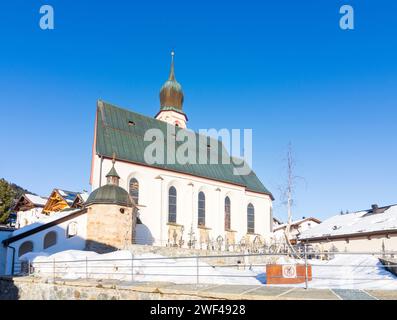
pixel 287 195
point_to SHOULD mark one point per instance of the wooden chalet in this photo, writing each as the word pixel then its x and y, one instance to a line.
pixel 60 200
pixel 29 201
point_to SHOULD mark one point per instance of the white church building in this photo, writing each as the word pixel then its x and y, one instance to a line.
pixel 189 205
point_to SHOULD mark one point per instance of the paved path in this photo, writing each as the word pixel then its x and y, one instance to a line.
pixel 249 292
pixel 167 290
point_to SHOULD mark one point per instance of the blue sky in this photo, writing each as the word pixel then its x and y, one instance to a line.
pixel 283 68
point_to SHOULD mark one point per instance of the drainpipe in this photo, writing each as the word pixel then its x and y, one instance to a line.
pixel 13 259
pixel 100 172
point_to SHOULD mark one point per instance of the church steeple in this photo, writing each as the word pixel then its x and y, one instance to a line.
pixel 171 100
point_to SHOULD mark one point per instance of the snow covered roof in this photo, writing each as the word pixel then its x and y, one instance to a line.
pixel 84 196
pixel 355 223
pixel 69 196
pixel 43 224
pixel 296 223
pixel 36 200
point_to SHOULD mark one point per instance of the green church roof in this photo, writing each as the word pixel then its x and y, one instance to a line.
pixel 109 194
pixel 122 132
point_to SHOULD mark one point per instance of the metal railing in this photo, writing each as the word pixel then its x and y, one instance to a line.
pixel 198 269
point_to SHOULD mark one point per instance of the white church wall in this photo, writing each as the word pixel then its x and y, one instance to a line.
pixel 153 201
pixel 63 242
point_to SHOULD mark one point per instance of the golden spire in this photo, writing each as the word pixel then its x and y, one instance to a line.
pixel 172 71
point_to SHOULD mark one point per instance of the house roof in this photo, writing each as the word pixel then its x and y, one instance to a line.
pixel 297 223
pixel 36 227
pixel 68 196
pixel 356 223
pixel 121 132
pixel 36 200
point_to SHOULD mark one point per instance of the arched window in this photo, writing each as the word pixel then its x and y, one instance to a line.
pixel 227 213
pixel 25 248
pixel 172 205
pixel 50 239
pixel 201 209
pixel 134 190
pixel 250 219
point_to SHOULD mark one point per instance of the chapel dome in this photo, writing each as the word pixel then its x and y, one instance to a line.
pixel 110 194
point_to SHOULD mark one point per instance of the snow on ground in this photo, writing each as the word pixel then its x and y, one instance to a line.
pixel 152 268
pixel 343 272
pixel 347 271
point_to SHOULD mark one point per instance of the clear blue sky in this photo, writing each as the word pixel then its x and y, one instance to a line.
pixel 283 68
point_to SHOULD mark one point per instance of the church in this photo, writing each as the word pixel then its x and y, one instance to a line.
pixel 186 205
pixel 195 205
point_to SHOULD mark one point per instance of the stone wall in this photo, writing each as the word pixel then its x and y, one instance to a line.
pixel 183 252
pixel 31 288
pixel 109 227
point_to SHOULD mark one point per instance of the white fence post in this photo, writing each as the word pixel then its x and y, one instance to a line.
pixel 198 269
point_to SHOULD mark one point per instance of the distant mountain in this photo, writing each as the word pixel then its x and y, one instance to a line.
pixel 19 191
pixel 9 194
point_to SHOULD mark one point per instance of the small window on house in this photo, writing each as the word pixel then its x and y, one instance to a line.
pixel 50 240
pixel 25 248
pixel 72 230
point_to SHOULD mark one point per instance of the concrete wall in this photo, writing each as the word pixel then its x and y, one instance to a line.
pixel 361 244
pixel 153 201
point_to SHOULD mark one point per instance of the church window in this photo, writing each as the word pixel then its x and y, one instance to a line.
pixel 25 248
pixel 134 190
pixel 250 219
pixel 50 239
pixel 172 205
pixel 227 213
pixel 201 209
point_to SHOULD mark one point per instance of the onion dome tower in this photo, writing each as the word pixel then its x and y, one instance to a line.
pixel 111 193
pixel 171 100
